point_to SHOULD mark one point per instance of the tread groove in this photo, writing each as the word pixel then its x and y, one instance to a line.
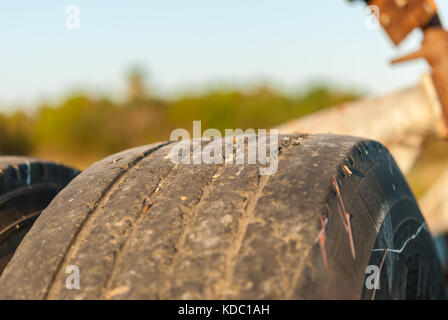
pixel 247 216
pixel 188 225
pixel 243 224
pixel 296 275
pixel 145 210
pixel 101 200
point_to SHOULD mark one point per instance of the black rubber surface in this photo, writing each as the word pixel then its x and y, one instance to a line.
pixel 139 227
pixel 26 188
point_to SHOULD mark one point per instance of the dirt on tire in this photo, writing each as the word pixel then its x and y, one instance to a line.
pixel 140 227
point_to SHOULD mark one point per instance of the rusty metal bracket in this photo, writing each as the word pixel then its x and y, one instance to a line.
pixel 399 18
pixel 435 50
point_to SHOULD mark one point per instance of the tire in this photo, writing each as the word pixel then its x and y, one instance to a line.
pixel 26 188
pixel 139 227
pixel 442 248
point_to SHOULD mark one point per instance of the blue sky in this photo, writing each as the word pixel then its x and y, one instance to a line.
pixel 193 44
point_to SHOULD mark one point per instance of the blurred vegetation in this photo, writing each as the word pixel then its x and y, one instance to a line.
pixel 82 129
